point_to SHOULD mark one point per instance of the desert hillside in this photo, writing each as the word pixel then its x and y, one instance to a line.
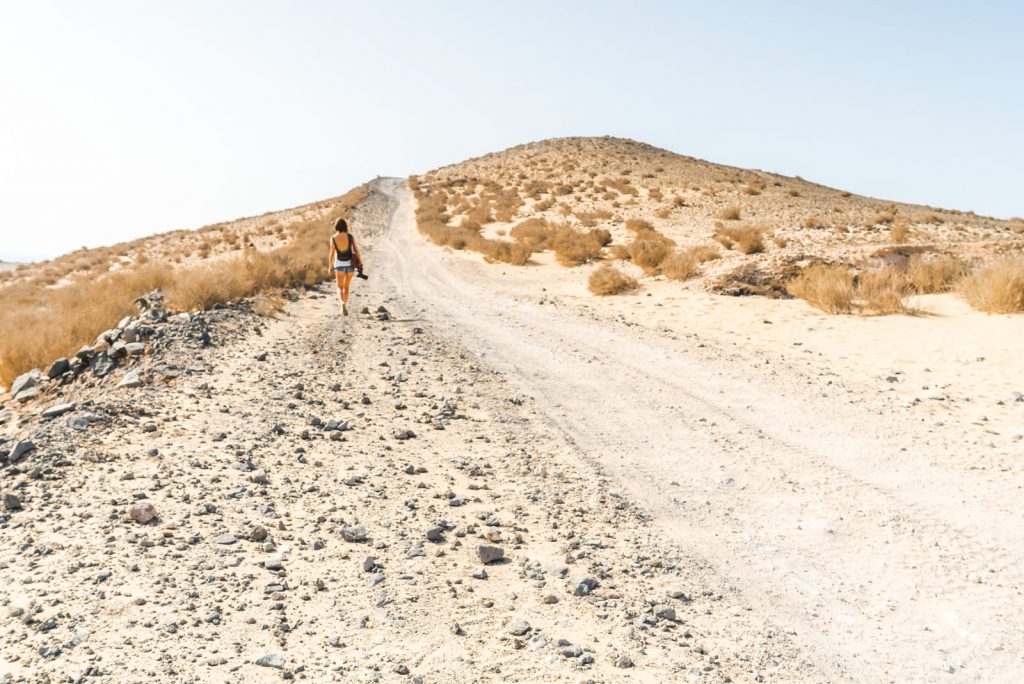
pixel 664 215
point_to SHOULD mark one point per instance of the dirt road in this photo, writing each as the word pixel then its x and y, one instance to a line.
pixel 866 534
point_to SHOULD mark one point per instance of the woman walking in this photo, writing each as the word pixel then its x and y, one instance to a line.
pixel 344 260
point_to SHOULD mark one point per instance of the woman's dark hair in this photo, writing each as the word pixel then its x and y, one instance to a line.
pixel 341 226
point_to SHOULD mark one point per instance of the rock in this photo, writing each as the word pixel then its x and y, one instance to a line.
pixel 102 364
pixel 259 477
pixel 572 651
pixel 623 662
pixel 402 670
pixel 490 554
pixel 665 612
pixel 556 569
pixel 258 534
pixel 275 562
pixel 435 533
pixel 27 394
pixel 11 502
pixel 134 348
pixel 142 513
pixel 25 381
pixel 480 574
pixel 355 533
pixel 678 594
pixel 519 628
pixel 58 368
pixel 369 563
pixel 58 410
pixel 131 379
pixel 225 539
pixel 271 660
pixel 583 585
pixel 19 450
pixel 403 435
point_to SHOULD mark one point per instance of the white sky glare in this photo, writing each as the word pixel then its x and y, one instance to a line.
pixel 121 119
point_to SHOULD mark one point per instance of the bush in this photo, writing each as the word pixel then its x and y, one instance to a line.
pixel 882 290
pixel 649 249
pixel 747 238
pixel 573 248
pixel 998 288
pixel 608 280
pixel 730 213
pixel 681 265
pixel 829 288
pixel 899 232
pixel 935 275
pixel 638 225
pixel 534 233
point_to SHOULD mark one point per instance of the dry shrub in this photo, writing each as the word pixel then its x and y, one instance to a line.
pixel 533 233
pixel 881 291
pixel 815 223
pixel 934 275
pixel 930 218
pixel 748 239
pixel 730 213
pixel 826 287
pixel 638 225
pixel 706 252
pixel 608 280
pixel 681 265
pixel 573 248
pixel 664 212
pixel 648 249
pixel 204 285
pixel 997 288
pixel 503 251
pixel 883 218
pixel 899 232
pixel 1017 225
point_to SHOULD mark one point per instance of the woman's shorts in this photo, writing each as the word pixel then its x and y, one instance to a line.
pixel 339 268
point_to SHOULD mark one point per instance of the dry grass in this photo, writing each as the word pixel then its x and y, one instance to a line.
pixel 681 265
pixel 927 276
pixel 899 231
pixel 573 248
pixel 997 288
pixel 882 291
pixel 649 249
pixel 534 233
pixel 829 288
pixel 730 213
pixel 608 280
pixel 50 322
pixel 748 239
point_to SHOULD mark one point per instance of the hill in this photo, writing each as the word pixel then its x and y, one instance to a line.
pixel 738 231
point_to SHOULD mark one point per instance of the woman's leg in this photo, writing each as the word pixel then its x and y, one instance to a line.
pixel 342 285
pixel 346 280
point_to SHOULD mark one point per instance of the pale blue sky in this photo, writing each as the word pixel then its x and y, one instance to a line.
pixel 119 119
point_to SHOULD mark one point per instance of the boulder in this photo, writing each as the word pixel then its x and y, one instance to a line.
pixel 142 513
pixel 490 554
pixel 58 368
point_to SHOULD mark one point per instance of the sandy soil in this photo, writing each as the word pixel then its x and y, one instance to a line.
pixel 837 471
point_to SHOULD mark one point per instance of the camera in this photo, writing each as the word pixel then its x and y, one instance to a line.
pixel 362 275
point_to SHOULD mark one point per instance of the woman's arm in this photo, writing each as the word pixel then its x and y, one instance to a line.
pixel 330 258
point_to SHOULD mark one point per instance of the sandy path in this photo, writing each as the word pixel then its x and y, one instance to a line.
pixel 843 525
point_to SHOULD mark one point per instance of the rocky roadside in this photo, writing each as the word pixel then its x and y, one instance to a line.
pixel 336 499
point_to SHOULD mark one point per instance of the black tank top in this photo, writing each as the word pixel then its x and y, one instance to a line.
pixel 343 255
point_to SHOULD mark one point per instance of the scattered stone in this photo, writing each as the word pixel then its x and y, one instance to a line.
pixel 258 534
pixel 354 534
pixel 665 612
pixel 480 574
pixel 403 435
pixel 142 513
pixel 572 651
pixel 11 502
pixel 519 628
pixel 58 368
pixel 583 585
pixel 19 450
pixel 131 379
pixel 271 660
pixel 623 662
pixel 225 539
pixel 58 410
pixel 25 382
pixel 491 554
pixel 435 533
pixel 102 364
pixel 369 563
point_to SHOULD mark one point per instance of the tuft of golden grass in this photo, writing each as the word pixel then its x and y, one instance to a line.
pixel 637 225
pixel 573 248
pixel 730 213
pixel 748 239
pixel 815 223
pixel 826 287
pixel 899 231
pixel 996 288
pixel 881 291
pixel 940 274
pixel 608 280
pixel 681 265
